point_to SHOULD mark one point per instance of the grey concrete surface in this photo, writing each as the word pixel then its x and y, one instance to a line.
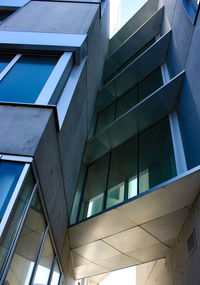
pixel 54 17
pixel 21 128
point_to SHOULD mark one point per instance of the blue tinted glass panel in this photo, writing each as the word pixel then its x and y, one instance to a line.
pixel 4 60
pixel 25 80
pixel 9 175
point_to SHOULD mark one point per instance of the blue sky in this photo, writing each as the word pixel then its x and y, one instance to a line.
pixel 129 8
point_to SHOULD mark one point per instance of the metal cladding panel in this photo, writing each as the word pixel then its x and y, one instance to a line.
pixel 135 72
pixel 144 114
pixel 146 228
pixel 136 41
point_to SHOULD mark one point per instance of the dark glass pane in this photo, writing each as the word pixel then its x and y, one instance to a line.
pixel 4 60
pixel 150 84
pixel 126 102
pixel 156 156
pixel 4 14
pixel 45 263
pixel 9 175
pixel 25 80
pixel 123 168
pixel 25 255
pixel 56 275
pixel 105 118
pixel 95 186
pixel 131 59
pixel 15 218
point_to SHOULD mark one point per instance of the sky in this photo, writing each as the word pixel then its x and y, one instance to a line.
pixel 124 11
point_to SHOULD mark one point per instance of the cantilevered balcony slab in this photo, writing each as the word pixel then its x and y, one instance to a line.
pixel 139 230
pixel 133 44
pixel 147 62
pixel 133 24
pixel 141 116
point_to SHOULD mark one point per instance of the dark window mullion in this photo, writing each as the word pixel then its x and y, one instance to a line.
pixel 107 181
pixel 51 272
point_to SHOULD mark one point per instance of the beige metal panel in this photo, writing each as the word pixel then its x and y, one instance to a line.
pixel 98 228
pixel 151 206
pixel 118 261
pixel 78 260
pixel 88 270
pixel 96 251
pixel 132 238
pixel 148 253
pixel 167 228
pixel 185 190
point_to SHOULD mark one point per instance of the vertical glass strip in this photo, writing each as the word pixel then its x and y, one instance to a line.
pixel 28 245
pixel 156 155
pixel 95 187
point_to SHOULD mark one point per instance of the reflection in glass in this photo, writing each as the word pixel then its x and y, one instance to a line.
pixel 123 166
pixel 45 263
pixel 126 101
pixel 15 218
pixel 105 118
pixel 25 80
pixel 150 84
pixel 4 59
pixel 95 187
pixel 56 275
pixel 28 245
pixel 132 187
pixel 9 175
pixel 157 163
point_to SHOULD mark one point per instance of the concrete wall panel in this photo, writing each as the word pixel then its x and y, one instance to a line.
pixel 48 165
pixel 72 138
pixel 21 129
pixel 54 17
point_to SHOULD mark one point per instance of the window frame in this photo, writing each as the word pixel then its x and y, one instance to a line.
pixel 28 164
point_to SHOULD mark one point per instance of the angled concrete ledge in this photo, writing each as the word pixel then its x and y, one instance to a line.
pixel 141 116
pixel 152 58
pixel 11 40
pixel 146 228
pixel 133 44
pixel 12 4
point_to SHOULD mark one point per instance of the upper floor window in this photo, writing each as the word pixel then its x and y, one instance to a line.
pixel 192 8
pixel 22 77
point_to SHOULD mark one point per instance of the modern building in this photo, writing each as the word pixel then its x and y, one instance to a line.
pixel 99 142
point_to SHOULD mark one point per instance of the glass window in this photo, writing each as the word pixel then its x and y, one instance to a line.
pixel 4 60
pixel 133 96
pixel 25 80
pixel 123 166
pixel 126 101
pixel 95 187
pixel 28 245
pixel 150 84
pixel 56 275
pixel 105 118
pixel 4 14
pixel 45 263
pixel 9 175
pixel 135 166
pixel 156 156
pixel 15 218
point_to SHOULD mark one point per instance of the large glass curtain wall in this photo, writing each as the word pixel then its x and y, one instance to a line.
pixel 137 165
pixel 26 252
pixel 133 96
pixel 22 77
